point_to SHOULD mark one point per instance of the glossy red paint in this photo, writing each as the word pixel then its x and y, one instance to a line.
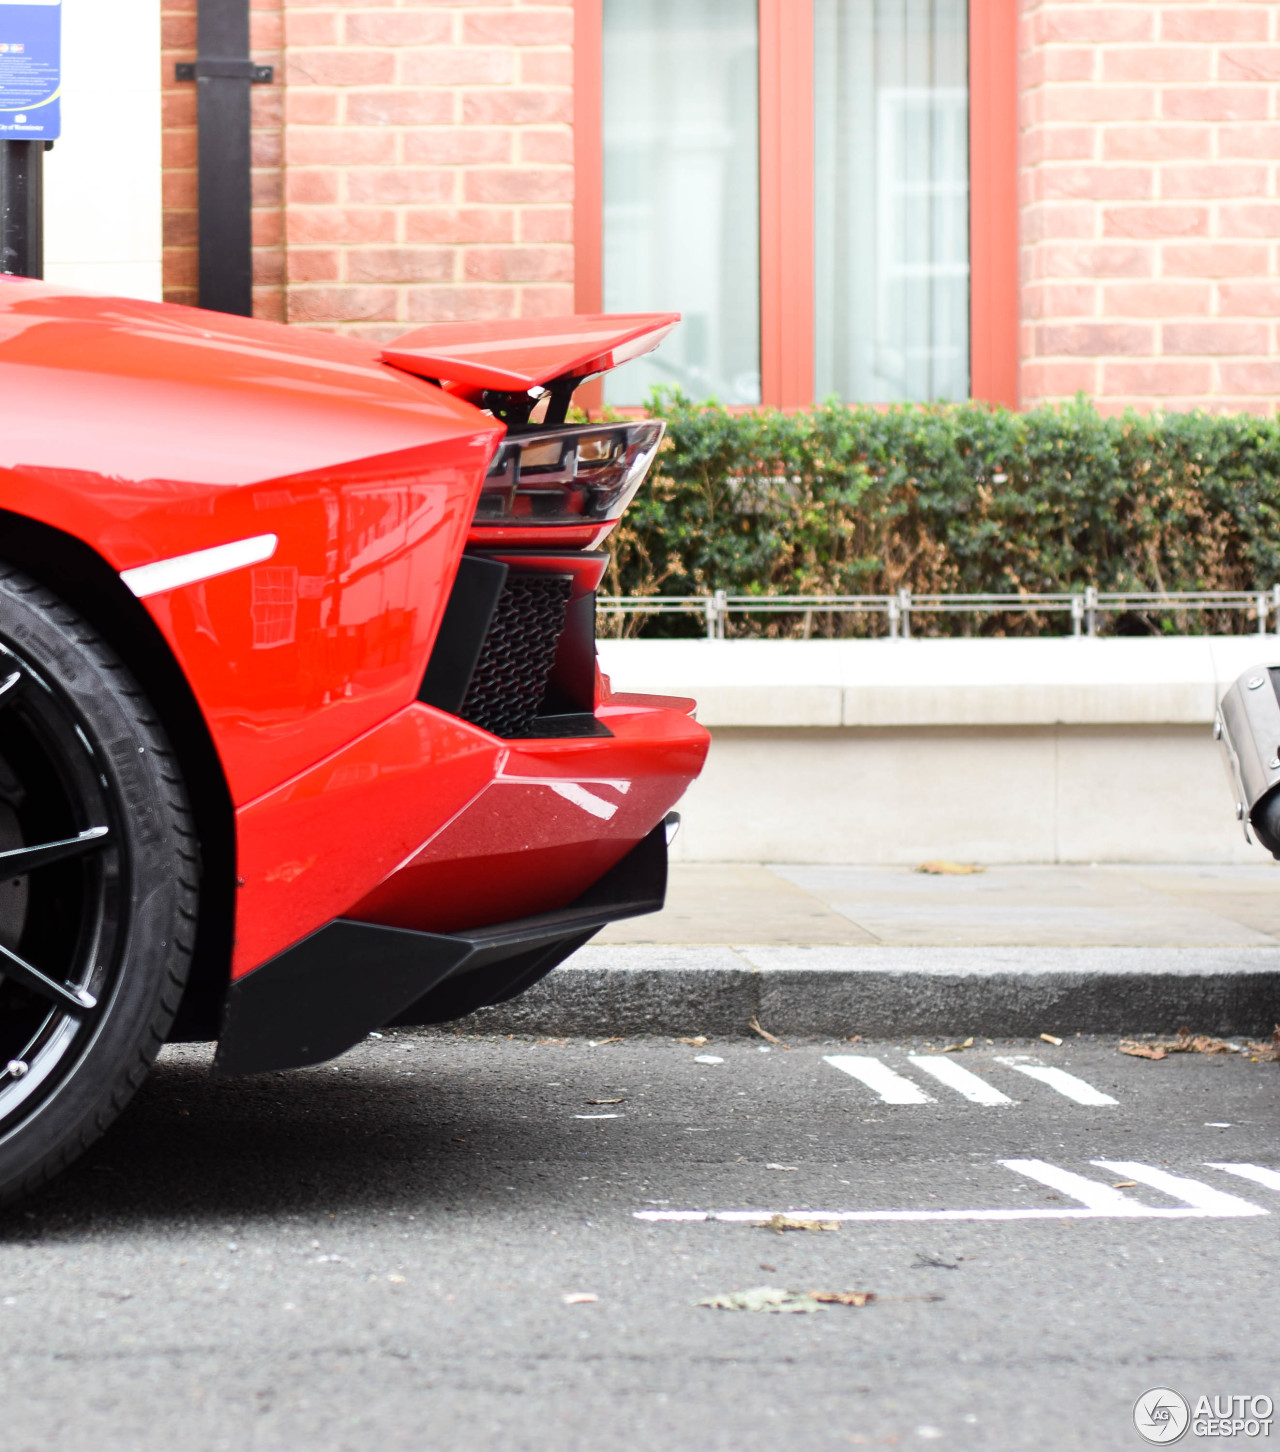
pixel 149 431
pixel 515 356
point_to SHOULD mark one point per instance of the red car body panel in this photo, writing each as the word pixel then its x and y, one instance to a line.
pixel 148 431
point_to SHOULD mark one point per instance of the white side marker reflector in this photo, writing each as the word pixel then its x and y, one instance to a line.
pixel 1256 1173
pixel 199 565
pixel 891 1088
pixel 955 1076
pixel 1192 1192
pixel 1066 1084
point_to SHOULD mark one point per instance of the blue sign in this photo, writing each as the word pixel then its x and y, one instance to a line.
pixel 30 70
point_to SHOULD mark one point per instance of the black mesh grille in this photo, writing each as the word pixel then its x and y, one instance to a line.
pixel 510 678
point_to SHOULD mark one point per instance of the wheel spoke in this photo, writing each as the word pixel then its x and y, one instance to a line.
pixel 22 860
pixel 8 682
pixel 74 1000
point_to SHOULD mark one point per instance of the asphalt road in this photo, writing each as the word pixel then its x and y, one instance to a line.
pixel 375 1254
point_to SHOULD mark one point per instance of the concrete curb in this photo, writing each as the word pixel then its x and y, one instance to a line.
pixel 896 992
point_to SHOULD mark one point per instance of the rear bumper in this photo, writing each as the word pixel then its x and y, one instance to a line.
pixel 322 996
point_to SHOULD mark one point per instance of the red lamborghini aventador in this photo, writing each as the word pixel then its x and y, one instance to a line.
pixel 301 729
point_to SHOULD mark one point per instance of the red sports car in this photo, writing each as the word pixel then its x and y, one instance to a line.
pixel 301 728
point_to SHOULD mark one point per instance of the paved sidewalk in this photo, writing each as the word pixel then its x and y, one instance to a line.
pixel 849 950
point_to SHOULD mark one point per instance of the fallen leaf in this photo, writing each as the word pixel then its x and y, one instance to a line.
pixel 942 868
pixel 543 1043
pixel 456 1140
pixel 606 1101
pixel 958 1048
pixel 844 1298
pixel 1052 1039
pixel 1125 1185
pixel 694 1043
pixel 579 1298
pixel 596 1043
pixel 1185 1042
pixel 771 1299
pixel 754 1025
pixel 779 1223
pixel 1142 1051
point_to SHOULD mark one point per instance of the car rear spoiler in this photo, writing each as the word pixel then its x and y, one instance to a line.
pixel 514 356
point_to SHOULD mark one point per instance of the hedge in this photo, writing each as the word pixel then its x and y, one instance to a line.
pixel 950 498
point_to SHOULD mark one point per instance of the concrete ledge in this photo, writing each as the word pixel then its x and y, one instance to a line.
pixel 896 992
pixel 879 683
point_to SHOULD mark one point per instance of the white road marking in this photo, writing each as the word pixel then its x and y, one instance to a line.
pixel 1098 1201
pixel 597 1116
pixel 879 1078
pixel 1179 1187
pixel 199 565
pixel 1256 1173
pixel 1064 1083
pixel 956 1077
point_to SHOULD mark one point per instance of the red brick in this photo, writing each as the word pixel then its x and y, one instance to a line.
pixel 1060 63
pixel 1155 63
pixel 180 229
pixel 178 32
pixel 400 264
pixel 1217 339
pixel 267 188
pixel 442 66
pixel 1156 299
pixel 519 27
pixel 343 225
pixel 313 264
pixel 1215 103
pixel 1249 219
pixel 1156 378
pixel 446 304
pixel 512 106
pixel 1262 141
pixel 459 145
pixel 1099 103
pixel 546 68
pixel 1057 379
pixel 400 185
pixel 546 300
pixel 338 146
pixel 1257 376
pixel 1254 63
pixel 518 264
pixel 1253 299
pixel 266 148
pixel 1154 143
pixel 337 304
pixel 1097 260
pixel 1156 220
pixel 546 224
pixel 398 27
pixel 1214 23
pixel 458 225
pixel 1214 259
pixel 1094 339
pixel 305 107
pixel 547 146
pixel 1213 179
pixel 1059 220
pixel 1095 24
pixel 312 186
pixel 311 28
pixel 1098 183
pixel 339 68
pixel 512 185
pixel 399 107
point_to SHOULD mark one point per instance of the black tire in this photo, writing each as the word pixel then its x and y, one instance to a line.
pixel 96 930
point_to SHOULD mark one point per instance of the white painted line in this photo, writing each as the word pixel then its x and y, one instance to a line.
pixel 1256 1173
pixel 199 565
pixel 1092 1193
pixel 1066 1084
pixel 597 1116
pixel 1068 1212
pixel 879 1078
pixel 1179 1187
pixel 955 1076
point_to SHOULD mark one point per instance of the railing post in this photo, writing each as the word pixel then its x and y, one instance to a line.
pixel 1077 613
pixel 722 612
pixel 1091 610
pixel 904 604
pixel 895 617
pixel 711 617
pixel 1262 612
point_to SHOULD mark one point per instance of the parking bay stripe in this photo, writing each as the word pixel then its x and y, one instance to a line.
pixel 956 1077
pixel 889 1086
pixel 1064 1083
pixel 1256 1173
pixel 1203 1197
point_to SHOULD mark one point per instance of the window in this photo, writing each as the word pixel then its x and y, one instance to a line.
pixel 826 189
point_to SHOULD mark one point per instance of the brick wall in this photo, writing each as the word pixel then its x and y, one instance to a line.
pixel 1149 203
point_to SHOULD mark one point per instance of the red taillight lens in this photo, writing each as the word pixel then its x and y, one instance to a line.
pixel 567 476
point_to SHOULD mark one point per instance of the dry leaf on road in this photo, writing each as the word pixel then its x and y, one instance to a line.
pixel 606 1101
pixel 780 1223
pixel 694 1043
pixel 941 868
pixel 770 1298
pixel 957 1048
pixel 754 1025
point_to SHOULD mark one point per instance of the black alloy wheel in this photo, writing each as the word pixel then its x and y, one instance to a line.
pixel 98 885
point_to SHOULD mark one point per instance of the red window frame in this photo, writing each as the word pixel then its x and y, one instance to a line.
pixel 786 194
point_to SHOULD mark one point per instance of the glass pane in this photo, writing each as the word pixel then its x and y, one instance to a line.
pixel 891 199
pixel 681 191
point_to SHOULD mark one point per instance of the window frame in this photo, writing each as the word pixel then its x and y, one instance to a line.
pixel 787 201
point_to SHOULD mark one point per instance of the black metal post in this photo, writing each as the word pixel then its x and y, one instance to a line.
pixel 223 74
pixel 22 208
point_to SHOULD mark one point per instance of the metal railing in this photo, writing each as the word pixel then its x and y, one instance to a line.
pixel 1083 607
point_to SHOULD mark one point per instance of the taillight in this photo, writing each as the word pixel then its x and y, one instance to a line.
pixel 567 476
